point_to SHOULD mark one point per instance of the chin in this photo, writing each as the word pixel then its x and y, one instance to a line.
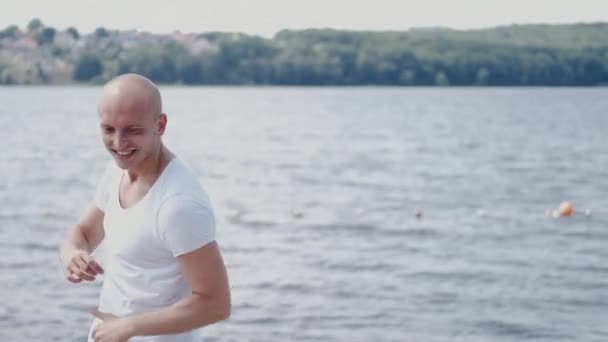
pixel 126 164
pixel 122 164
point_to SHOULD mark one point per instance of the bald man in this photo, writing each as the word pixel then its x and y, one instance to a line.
pixel 164 277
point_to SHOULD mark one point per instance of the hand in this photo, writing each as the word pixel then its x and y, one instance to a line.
pixel 111 329
pixel 81 266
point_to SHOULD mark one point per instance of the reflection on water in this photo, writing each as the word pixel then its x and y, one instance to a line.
pixel 316 191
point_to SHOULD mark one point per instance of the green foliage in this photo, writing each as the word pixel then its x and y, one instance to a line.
pixel 73 32
pixel 6 77
pixel 58 51
pixel 11 31
pixel 526 55
pixel 35 25
pixel 155 61
pixel 88 68
pixel 503 56
pixel 101 32
pixel 46 36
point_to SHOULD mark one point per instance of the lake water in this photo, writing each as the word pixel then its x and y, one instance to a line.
pixel 316 191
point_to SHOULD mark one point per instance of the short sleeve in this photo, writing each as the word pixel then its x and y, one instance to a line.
pixel 185 224
pixel 102 193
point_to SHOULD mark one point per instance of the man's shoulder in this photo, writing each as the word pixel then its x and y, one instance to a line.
pixel 183 184
pixel 182 176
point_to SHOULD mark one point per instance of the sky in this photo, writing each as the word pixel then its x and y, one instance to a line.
pixel 266 17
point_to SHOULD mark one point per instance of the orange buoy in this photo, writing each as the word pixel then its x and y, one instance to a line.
pixel 566 209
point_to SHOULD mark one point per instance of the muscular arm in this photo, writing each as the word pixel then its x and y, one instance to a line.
pixel 209 302
pixel 82 239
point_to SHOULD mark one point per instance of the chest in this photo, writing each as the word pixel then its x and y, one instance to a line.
pixel 129 194
pixel 132 242
pixel 130 228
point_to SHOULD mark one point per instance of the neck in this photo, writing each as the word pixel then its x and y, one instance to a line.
pixel 150 167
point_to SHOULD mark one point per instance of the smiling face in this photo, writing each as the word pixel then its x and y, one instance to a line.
pixel 131 120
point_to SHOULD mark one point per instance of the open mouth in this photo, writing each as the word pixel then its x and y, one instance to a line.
pixel 124 154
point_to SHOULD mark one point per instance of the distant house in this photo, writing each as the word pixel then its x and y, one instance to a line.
pixel 26 43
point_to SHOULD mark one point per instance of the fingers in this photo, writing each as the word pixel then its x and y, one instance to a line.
pixel 74 278
pixel 82 267
pixel 76 271
pixel 70 274
pixel 93 264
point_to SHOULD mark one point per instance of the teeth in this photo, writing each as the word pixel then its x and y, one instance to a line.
pixel 124 153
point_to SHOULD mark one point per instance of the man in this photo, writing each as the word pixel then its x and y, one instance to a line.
pixel 164 276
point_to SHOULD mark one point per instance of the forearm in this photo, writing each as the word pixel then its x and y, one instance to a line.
pixel 74 241
pixel 190 313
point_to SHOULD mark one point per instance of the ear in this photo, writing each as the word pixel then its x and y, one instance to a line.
pixel 161 124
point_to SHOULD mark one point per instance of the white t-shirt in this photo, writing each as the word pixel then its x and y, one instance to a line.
pixel 142 242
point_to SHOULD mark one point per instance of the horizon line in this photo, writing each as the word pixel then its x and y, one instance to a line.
pixel 413 28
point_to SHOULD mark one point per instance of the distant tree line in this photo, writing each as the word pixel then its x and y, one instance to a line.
pixel 527 55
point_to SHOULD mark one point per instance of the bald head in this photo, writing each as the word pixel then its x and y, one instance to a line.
pixel 131 120
pixel 131 93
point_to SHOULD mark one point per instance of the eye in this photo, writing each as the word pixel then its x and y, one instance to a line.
pixel 108 130
pixel 134 130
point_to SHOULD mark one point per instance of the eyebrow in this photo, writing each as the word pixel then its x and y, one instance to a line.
pixel 126 127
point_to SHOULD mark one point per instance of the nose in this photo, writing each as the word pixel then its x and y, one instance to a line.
pixel 120 141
